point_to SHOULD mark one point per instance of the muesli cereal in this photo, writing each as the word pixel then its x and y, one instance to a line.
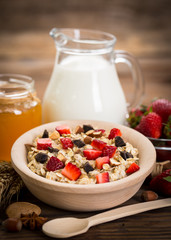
pixel 84 155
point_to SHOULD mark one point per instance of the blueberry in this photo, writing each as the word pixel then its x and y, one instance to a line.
pixel 41 157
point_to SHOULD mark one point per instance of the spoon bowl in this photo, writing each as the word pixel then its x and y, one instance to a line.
pixel 66 227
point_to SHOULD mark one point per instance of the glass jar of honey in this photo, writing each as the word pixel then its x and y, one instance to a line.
pixel 20 110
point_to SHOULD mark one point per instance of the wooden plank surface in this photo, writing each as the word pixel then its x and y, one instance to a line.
pixel 141 27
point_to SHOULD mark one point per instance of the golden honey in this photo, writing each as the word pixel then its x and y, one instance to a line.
pixel 20 110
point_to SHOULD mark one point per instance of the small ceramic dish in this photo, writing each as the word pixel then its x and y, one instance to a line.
pixel 163 148
pixel 90 197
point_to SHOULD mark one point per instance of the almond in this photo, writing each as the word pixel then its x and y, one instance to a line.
pixel 90 133
pixel 78 130
pixel 97 134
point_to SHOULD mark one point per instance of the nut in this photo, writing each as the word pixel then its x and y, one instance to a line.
pixel 79 129
pixel 149 196
pixel 12 224
pixel 97 134
pixel 61 157
pixel 90 133
pixel 55 135
pixel 87 140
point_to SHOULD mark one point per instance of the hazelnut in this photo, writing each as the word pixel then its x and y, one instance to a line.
pixel 149 196
pixel 87 140
pixel 12 224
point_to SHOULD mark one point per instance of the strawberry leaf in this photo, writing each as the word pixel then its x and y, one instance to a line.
pixel 168 178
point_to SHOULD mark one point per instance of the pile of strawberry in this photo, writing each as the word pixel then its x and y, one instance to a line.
pixel 153 120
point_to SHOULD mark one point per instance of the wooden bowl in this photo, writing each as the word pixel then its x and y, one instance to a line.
pixel 84 197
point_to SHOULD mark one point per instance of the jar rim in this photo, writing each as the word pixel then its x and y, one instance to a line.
pixel 15 86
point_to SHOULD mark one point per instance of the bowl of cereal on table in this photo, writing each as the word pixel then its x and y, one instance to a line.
pixel 83 165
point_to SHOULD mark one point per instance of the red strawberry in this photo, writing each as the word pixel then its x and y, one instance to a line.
pixel 44 143
pixel 150 125
pixel 63 129
pixel 135 116
pixel 66 143
pixel 71 171
pixel 109 151
pixel 133 168
pixel 102 177
pixel 102 160
pixel 97 144
pixel 114 132
pixel 163 108
pixel 162 183
pixel 54 163
pixel 92 154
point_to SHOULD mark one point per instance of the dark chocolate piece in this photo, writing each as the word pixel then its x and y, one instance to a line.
pixel 45 134
pixel 88 168
pixel 119 142
pixel 86 128
pixel 126 155
pixel 79 143
pixel 51 149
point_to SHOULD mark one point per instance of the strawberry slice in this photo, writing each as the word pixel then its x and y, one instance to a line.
pixel 63 129
pixel 109 151
pixel 66 143
pixel 71 171
pixel 102 160
pixel 44 143
pixel 114 132
pixel 92 154
pixel 102 177
pixel 133 168
pixel 97 144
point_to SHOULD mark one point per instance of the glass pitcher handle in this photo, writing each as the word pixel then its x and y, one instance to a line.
pixel 121 56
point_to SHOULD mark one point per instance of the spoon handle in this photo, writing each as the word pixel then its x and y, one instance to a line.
pixel 127 211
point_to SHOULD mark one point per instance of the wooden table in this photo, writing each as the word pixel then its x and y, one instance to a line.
pixel 142 28
pixel 155 224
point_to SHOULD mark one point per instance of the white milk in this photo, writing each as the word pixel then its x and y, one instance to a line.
pixel 84 87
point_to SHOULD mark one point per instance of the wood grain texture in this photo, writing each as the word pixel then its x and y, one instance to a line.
pixel 141 27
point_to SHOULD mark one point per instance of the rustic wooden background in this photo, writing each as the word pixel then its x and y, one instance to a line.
pixel 141 27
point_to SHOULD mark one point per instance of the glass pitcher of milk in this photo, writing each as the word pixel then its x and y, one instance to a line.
pixel 84 83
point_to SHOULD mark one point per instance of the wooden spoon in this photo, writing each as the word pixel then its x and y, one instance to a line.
pixel 68 227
